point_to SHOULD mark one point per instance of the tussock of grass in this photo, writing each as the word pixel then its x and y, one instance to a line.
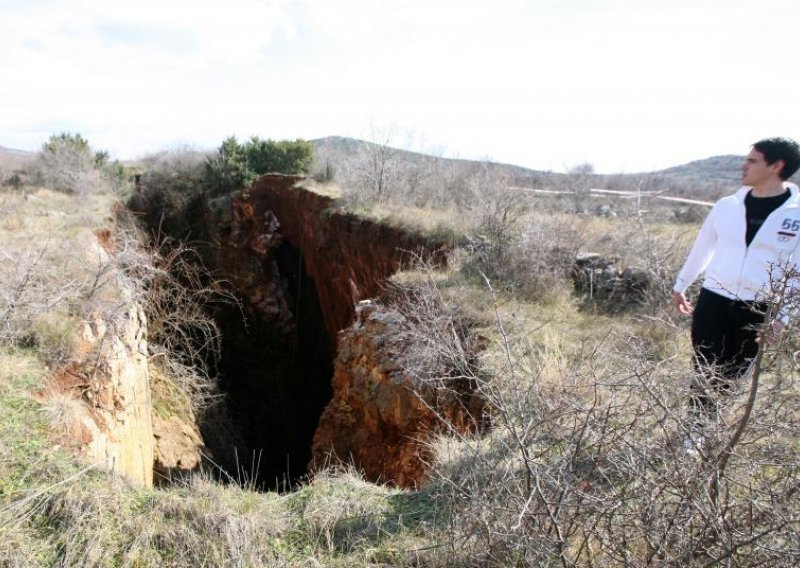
pixel 351 520
pixel 94 520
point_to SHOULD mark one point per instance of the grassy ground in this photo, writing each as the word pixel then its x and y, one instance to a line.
pixel 579 466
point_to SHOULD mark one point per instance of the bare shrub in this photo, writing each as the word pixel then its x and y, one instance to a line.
pixel 497 212
pixel 175 290
pixel 179 161
pixel 584 462
pixel 66 163
pixel 33 300
pixel 656 251
pixel 578 180
pixel 445 353
pixel 542 258
pixel 529 256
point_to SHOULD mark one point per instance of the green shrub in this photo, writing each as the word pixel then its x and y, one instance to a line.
pixel 237 165
pixel 228 169
pixel 279 156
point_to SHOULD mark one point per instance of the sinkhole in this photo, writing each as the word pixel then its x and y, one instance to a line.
pixel 276 385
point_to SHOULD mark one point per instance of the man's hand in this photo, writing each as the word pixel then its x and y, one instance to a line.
pixel 683 305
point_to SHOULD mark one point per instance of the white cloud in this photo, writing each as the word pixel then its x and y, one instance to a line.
pixel 542 83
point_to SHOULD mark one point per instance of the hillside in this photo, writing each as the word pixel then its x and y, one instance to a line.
pixel 12 152
pixel 12 160
pixel 338 148
pixel 706 178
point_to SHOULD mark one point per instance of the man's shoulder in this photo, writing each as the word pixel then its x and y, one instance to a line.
pixel 733 199
pixel 737 195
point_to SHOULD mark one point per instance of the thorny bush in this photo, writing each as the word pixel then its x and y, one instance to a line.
pixel 584 464
pixel 176 292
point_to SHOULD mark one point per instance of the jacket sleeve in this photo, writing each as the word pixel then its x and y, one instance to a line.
pixel 701 254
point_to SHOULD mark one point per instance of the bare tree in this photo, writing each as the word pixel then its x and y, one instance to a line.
pixel 578 180
pixel 371 175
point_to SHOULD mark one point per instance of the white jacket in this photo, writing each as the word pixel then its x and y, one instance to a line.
pixel 733 269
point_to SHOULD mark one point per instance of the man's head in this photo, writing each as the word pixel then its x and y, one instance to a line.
pixel 780 150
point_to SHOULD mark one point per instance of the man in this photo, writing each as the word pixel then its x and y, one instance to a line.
pixel 742 246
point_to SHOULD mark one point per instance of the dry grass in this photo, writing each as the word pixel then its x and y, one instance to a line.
pixel 44 280
pixel 580 467
pixel 15 364
pixel 64 414
pixel 584 454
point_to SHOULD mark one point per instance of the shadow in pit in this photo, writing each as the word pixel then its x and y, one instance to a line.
pixel 276 386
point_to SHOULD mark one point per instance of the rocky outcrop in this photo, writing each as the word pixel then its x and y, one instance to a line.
pixel 348 257
pixel 177 438
pixel 381 416
pixel 243 240
pixel 600 280
pixel 119 393
pixel 104 391
pixel 111 425
pixel 177 442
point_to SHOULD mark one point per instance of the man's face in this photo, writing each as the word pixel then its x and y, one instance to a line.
pixel 756 171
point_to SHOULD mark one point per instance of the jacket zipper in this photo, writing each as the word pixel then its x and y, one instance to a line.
pixel 755 238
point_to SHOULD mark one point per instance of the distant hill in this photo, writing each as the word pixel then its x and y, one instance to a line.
pixel 341 148
pixel 724 172
pixel 707 178
pixel 11 159
pixel 12 152
pixel 723 168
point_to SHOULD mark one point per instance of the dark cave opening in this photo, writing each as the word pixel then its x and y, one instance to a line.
pixel 276 384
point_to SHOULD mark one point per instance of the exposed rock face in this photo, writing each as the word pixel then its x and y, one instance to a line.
pixel 376 419
pixel 244 240
pixel 111 422
pixel 178 442
pixel 349 258
pixel 105 389
pixel 380 416
pixel 119 392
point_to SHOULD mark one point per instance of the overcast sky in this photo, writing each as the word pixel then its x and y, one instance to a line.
pixel 626 85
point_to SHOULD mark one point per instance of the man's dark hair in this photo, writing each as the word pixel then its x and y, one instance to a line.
pixel 775 149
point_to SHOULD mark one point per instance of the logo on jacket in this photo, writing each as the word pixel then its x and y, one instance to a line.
pixel 790 228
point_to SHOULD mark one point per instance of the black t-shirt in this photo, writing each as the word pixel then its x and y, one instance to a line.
pixel 758 209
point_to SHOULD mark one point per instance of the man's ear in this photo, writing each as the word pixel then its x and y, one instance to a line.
pixel 777 166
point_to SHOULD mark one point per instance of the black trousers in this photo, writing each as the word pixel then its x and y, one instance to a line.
pixel 724 333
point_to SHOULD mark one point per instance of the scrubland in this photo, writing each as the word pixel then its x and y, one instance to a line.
pixel 578 463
